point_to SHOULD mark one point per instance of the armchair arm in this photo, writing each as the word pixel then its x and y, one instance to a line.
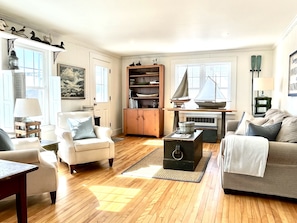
pixel 103 132
pixel 22 156
pixel 66 145
pixel 64 136
pixel 26 143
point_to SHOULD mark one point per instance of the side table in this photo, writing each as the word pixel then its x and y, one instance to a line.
pixel 27 129
pixel 50 145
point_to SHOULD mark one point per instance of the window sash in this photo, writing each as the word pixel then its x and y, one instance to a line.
pixel 34 63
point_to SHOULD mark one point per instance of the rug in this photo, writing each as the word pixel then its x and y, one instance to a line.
pixel 151 166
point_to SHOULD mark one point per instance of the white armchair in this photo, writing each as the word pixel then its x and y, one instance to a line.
pixel 29 150
pixel 83 150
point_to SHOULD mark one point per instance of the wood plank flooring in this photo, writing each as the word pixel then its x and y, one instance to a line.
pixel 97 193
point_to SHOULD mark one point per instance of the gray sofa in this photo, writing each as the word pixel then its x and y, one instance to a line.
pixel 281 168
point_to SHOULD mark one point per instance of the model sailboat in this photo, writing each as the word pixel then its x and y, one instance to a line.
pixel 181 94
pixel 210 96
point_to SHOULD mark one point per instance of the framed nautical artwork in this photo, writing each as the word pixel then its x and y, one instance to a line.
pixel 72 81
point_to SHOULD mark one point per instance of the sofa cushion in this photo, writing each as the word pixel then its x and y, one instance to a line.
pixel 81 128
pixel 288 131
pixel 5 141
pixel 270 131
pixel 275 116
pixel 242 125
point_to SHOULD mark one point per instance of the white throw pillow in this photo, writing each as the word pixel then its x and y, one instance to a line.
pixel 81 128
pixel 243 124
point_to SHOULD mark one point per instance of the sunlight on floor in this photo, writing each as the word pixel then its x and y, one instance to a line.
pixel 113 198
pixel 153 142
pixel 148 171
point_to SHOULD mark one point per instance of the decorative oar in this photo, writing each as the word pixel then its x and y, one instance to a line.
pixel 253 66
pixel 253 63
pixel 259 60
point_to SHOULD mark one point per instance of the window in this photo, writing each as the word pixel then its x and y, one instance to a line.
pixel 221 71
pixel 34 63
pixel 34 69
pixel 101 84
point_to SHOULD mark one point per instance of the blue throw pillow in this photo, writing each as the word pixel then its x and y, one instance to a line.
pixel 81 128
pixel 270 131
pixel 5 142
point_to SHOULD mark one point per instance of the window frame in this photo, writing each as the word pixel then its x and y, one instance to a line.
pixel 205 61
pixel 46 68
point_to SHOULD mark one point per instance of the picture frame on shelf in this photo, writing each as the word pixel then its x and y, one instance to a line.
pixel 292 81
pixel 72 81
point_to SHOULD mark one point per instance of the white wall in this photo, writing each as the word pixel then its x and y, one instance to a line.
pixel 284 48
pixel 243 79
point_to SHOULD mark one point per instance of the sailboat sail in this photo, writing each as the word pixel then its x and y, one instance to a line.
pixel 181 94
pixel 210 95
pixel 182 90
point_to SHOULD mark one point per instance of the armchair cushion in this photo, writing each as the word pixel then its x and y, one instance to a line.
pixel 90 144
pixel 81 128
pixel 5 141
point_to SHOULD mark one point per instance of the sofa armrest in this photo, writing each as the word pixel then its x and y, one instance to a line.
pixel 23 156
pixel 282 153
pixel 231 125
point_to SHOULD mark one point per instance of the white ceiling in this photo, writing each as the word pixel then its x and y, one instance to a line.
pixel 135 27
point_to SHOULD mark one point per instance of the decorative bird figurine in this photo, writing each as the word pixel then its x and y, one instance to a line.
pixel 18 32
pixel 33 37
pixel 3 25
pixel 60 46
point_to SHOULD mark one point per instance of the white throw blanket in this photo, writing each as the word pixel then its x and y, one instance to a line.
pixel 245 155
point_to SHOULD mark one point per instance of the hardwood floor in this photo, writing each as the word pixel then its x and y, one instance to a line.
pixel 97 193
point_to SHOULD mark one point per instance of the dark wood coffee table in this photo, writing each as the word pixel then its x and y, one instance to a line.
pixel 182 153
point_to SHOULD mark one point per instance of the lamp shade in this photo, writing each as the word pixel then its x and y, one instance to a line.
pixel 27 107
pixel 263 84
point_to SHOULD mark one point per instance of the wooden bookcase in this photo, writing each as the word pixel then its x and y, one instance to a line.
pixel 27 129
pixel 144 113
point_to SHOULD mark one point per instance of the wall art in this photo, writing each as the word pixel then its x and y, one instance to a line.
pixel 292 82
pixel 72 81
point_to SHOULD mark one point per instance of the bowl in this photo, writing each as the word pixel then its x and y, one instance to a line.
pixel 186 127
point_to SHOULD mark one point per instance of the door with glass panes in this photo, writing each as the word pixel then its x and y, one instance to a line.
pixel 101 73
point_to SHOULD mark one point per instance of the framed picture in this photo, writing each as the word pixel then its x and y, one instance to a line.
pixel 72 81
pixel 292 82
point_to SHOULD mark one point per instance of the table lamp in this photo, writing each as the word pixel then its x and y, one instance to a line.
pixel 26 107
pixel 263 84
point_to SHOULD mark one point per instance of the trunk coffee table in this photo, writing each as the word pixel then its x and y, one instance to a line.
pixel 182 151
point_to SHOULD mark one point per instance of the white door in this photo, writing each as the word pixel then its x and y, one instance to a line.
pixel 101 74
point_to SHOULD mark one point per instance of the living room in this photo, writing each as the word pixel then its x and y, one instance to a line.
pixel 275 63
